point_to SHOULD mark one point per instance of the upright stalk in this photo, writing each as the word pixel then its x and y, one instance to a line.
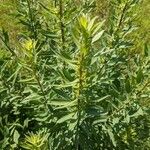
pixel 32 19
pixel 41 89
pixel 78 93
pixel 61 21
pixel 120 21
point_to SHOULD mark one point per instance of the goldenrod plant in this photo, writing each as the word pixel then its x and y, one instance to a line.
pixel 72 81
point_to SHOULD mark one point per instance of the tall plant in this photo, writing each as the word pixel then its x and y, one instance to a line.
pixel 73 78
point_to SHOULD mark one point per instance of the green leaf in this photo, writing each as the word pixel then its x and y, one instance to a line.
pixel 83 21
pixel 61 93
pixel 127 86
pixel 67 74
pixel 16 136
pixel 6 36
pixel 138 113
pixel 27 80
pixel 91 23
pixel 67 105
pixel 127 119
pixel 101 99
pixel 146 50
pixel 70 116
pixel 59 102
pixel 97 27
pixel 140 76
pixel 15 73
pixel 111 135
pixel 71 62
pixel 97 36
pixel 67 84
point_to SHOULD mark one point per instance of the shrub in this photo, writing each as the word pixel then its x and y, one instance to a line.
pixel 74 77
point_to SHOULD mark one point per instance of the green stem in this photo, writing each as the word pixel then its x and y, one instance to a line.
pixel 78 93
pixel 42 89
pixel 122 16
pixel 32 20
pixel 61 21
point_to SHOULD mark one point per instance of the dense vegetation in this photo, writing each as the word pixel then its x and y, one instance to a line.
pixel 74 75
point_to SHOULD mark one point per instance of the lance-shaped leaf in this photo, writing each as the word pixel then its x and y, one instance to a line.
pixel 70 116
pixel 97 36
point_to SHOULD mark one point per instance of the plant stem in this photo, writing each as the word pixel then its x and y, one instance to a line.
pixel 78 93
pixel 42 89
pixel 122 16
pixel 61 21
pixel 32 19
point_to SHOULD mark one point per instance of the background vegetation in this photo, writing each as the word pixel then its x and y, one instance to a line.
pixel 74 75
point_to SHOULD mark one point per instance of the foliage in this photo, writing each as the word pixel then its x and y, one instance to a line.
pixel 72 82
pixel 35 141
pixel 141 36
